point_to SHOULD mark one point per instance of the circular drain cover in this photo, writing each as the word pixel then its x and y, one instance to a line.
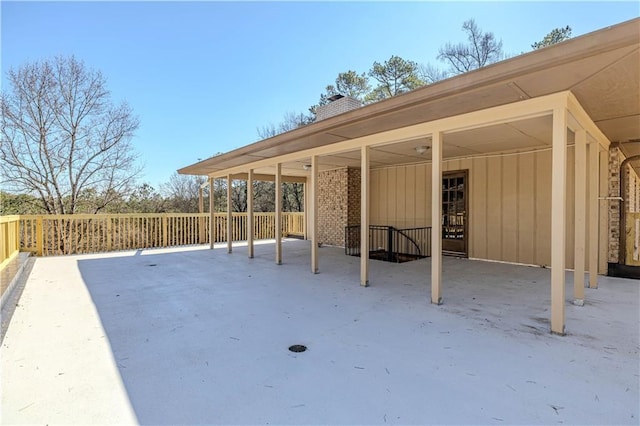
pixel 297 348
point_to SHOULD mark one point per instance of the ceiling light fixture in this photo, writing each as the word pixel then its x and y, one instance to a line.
pixel 306 166
pixel 422 149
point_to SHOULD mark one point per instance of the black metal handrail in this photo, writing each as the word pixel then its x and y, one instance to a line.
pixel 389 243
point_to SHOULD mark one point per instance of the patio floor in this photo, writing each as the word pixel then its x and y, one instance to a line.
pixel 194 336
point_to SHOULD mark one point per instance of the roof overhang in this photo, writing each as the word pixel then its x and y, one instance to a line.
pixel 600 71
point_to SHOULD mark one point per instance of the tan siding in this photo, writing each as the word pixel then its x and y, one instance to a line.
pixel 392 188
pixel 467 164
pixel 542 230
pixel 383 200
pixel 509 204
pixel 526 208
pixel 494 210
pixel 410 197
pixel 478 216
pixel 510 209
pixel 421 205
pixel 374 196
pixel 427 191
pixel 401 211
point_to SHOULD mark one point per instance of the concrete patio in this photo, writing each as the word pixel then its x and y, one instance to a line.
pixel 193 336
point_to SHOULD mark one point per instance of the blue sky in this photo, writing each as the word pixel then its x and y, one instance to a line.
pixel 203 76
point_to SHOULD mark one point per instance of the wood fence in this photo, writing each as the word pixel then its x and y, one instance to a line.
pixel 47 235
pixel 9 239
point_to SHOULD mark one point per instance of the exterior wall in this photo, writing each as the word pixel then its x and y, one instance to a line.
pixel 613 211
pixel 509 204
pixel 338 204
pixel 353 198
pixel 631 200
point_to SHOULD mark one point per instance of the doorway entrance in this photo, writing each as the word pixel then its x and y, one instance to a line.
pixel 455 207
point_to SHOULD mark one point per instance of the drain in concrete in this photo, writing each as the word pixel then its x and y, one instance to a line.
pixel 297 348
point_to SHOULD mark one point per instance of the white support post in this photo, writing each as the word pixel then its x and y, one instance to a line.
pixel 229 216
pixel 250 225
pixel 436 218
pixel 364 216
pixel 278 204
pixel 313 213
pixel 580 216
pixel 212 216
pixel 558 219
pixel 594 216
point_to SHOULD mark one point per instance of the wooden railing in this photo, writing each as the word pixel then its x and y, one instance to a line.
pixel 47 235
pixel 9 240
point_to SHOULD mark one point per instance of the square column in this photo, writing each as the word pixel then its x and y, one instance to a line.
pixel 364 215
pixel 278 218
pixel 594 218
pixel 580 216
pixel 305 203
pixel 558 219
pixel 212 216
pixel 229 216
pixel 250 213
pixel 201 218
pixel 313 213
pixel 436 218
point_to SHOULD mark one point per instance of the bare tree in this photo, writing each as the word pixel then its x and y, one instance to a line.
pixel 62 136
pixel 482 49
pixel 430 73
pixel 293 197
pixel 181 193
pixel 290 121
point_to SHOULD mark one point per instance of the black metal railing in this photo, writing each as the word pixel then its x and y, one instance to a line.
pixel 389 243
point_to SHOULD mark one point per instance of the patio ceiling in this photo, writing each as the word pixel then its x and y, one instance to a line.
pixel 602 70
pixel 522 135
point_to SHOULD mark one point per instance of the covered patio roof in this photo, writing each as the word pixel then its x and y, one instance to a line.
pixel 600 69
pixel 582 92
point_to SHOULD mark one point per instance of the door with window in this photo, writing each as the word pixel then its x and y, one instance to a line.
pixel 454 212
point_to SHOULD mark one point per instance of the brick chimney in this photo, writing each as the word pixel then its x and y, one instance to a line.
pixel 337 105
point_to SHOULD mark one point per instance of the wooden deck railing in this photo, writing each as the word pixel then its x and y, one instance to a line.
pixel 9 240
pixel 48 235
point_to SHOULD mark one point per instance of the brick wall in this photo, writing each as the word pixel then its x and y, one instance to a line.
pixel 353 199
pixel 615 158
pixel 338 204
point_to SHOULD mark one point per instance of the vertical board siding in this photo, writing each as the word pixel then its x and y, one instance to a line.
pixel 526 208
pixel 509 203
pixel 478 216
pixel 542 203
pixel 494 208
pixel 421 207
pixel 392 205
pixel 510 207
